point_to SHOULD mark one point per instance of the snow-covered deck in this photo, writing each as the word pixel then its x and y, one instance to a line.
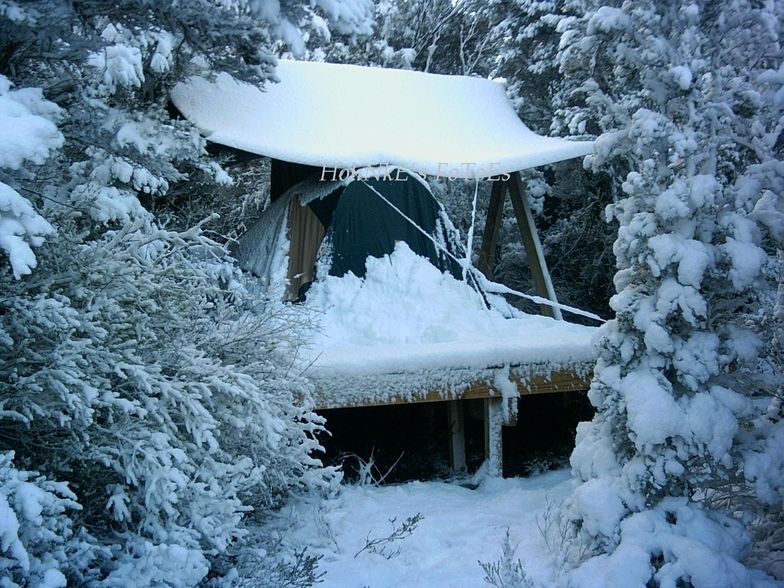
pixel 560 360
pixel 408 333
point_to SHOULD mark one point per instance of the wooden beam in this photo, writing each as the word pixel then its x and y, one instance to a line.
pixel 495 214
pixel 457 453
pixel 494 445
pixel 565 381
pixel 533 248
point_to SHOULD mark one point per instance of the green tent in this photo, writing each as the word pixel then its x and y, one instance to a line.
pixel 368 219
pixel 338 226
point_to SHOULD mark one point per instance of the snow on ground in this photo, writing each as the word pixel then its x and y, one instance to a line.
pixel 459 527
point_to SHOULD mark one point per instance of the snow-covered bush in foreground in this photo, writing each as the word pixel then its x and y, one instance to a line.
pixel 675 541
pixel 37 543
pixel 692 129
pixel 156 393
pixel 137 374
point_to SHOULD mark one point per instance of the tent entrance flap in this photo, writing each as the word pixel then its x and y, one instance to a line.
pixel 306 232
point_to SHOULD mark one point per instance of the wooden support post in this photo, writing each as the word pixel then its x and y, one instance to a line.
pixel 533 248
pixel 457 454
pixel 495 214
pixel 494 445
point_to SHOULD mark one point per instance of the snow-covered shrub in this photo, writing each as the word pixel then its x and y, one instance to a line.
pixel 148 564
pixel 27 136
pixel 164 398
pixel 37 541
pixel 507 572
pixel 388 546
pixel 137 374
pixel 300 570
pixel 365 472
pixel 673 542
pixel 564 542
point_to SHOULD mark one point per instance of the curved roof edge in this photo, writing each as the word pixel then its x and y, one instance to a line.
pixel 346 116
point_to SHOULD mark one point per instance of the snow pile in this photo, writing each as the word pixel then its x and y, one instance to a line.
pixel 26 134
pixel 406 315
pixel 452 126
pixel 459 527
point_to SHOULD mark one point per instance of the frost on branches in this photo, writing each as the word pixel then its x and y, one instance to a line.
pixel 146 403
pixel 670 469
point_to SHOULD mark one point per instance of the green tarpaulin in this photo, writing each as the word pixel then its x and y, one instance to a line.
pixel 362 224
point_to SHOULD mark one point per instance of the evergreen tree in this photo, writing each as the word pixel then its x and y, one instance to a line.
pixel 690 130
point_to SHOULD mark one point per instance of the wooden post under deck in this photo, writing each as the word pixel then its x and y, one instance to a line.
pixel 494 436
pixel 457 453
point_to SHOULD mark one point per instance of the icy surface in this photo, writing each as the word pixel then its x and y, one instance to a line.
pixel 460 526
pixel 348 116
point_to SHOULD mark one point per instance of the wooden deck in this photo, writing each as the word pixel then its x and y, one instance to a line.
pixel 530 379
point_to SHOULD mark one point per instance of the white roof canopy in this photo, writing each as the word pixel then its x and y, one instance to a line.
pixel 347 116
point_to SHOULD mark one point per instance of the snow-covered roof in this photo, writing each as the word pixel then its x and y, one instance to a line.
pixel 346 116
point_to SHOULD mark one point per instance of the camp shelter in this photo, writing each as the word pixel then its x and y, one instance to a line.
pixel 328 129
